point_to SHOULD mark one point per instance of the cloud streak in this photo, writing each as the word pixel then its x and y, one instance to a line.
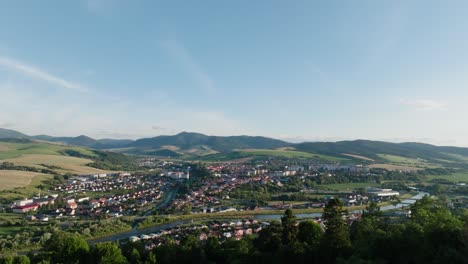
pixel 423 104
pixel 185 59
pixel 37 73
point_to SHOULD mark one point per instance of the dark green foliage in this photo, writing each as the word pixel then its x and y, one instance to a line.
pixel 113 161
pixel 432 235
pixel 163 153
pixel 269 239
pixel 105 160
pixel 187 140
pixel 67 248
pixel 310 233
pixel 7 260
pixel 22 260
pixel 11 166
pixel 108 253
pixel 288 223
pixel 336 241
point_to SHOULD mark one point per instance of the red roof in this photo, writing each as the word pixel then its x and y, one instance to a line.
pixel 29 206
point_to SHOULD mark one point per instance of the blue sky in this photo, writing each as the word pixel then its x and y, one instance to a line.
pixel 296 70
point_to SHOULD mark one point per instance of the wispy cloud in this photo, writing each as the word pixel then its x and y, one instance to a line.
pixel 185 59
pixel 40 74
pixel 424 104
pixel 98 6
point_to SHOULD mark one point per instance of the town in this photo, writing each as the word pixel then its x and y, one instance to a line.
pixel 123 194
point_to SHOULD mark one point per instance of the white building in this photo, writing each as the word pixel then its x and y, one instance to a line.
pixel 24 202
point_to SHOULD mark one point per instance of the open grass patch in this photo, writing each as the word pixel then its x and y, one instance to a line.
pixel 280 153
pixel 65 164
pixel 14 150
pixel 455 177
pixel 10 230
pixel 349 186
pixel 28 190
pixel 392 167
pixel 10 179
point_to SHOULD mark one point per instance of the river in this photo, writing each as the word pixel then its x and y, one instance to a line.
pixel 155 229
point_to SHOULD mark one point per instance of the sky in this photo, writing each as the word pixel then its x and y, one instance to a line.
pixel 294 70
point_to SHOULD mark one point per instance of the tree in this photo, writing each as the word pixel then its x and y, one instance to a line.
pixel 66 248
pixel 151 259
pixel 310 233
pixel 212 249
pixel 187 209
pixel 22 260
pixel 269 239
pixel 336 241
pixel 372 211
pixel 135 256
pixel 7 260
pixel 108 253
pixel 288 223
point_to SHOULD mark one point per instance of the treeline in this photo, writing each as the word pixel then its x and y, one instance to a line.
pixel 11 166
pixel 432 235
pixel 105 160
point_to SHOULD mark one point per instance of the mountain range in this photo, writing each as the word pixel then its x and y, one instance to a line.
pixel 200 145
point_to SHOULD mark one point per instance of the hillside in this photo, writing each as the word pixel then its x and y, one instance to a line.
pixel 8 133
pixel 185 143
pixel 85 141
pixel 56 158
pixel 405 153
pixel 212 148
pixel 189 143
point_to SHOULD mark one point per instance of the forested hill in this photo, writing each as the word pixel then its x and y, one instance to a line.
pixel 186 140
pixel 375 150
pixel 187 144
pixel 182 141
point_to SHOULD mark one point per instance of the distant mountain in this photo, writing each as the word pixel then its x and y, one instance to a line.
pixel 81 141
pixel 175 145
pixel 187 144
pixel 85 141
pixel 187 140
pixel 8 133
pixel 375 150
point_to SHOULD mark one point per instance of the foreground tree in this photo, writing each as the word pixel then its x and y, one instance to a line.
pixel 269 240
pixel 108 253
pixel 310 233
pixel 67 248
pixel 288 223
pixel 336 241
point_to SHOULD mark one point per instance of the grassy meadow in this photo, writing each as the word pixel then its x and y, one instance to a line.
pixel 64 164
pixel 455 177
pixel 349 186
pixel 282 153
pixel 10 179
pixel 17 183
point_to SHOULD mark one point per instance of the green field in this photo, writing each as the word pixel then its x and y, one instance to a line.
pixel 40 155
pixel 455 177
pixel 14 150
pixel 410 162
pixel 458 157
pixel 252 153
pixel 10 230
pixel 19 183
pixel 349 186
pixel 25 191
pixel 291 154
pixel 278 153
pixel 402 160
